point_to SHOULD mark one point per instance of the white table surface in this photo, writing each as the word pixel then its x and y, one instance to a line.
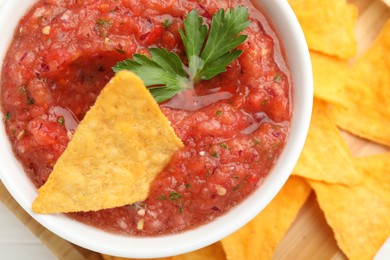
pixel 17 242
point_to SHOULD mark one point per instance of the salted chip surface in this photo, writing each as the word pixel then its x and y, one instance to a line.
pixel 367 124
pixel 212 252
pixel 328 25
pixel 260 237
pixel 359 215
pixel 367 102
pixel 330 75
pixel 325 156
pixel 120 146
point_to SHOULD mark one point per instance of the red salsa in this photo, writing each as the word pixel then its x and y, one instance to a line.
pixel 234 126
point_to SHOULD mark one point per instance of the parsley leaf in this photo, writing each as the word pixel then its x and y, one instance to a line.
pixel 208 52
pixel 220 48
pixel 164 72
pixel 174 195
pixel 193 40
pixel 8 116
pixel 166 23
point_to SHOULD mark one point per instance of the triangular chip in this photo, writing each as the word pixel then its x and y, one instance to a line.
pixel 120 146
pixel 325 156
pixel 328 25
pixel 260 237
pixel 366 108
pixel 359 215
pixel 330 75
pixel 365 122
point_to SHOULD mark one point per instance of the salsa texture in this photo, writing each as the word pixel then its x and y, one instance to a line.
pixel 234 126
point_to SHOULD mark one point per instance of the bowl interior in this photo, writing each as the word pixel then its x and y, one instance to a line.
pixel 14 178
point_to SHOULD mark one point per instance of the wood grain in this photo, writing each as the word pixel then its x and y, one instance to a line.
pixel 387 2
pixel 372 15
pixel 309 237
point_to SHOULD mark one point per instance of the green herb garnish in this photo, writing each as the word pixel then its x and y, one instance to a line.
pixel 163 72
pixel 166 23
pixel 102 21
pixel 222 41
pixel 102 26
pixel 61 120
pixel 209 52
pixel 218 113
pixel 224 146
pixel 8 116
pixel 214 155
pixel 237 187
pixel 174 195
pixel 277 78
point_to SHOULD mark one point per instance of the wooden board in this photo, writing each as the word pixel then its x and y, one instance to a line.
pixel 309 237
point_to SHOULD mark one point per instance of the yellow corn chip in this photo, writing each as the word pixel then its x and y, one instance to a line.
pixel 359 215
pixel 123 142
pixel 328 25
pixel 260 237
pixel 369 124
pixel 325 156
pixel 330 76
pixel 212 252
pixel 366 111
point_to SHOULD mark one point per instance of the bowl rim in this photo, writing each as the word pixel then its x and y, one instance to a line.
pixel 169 245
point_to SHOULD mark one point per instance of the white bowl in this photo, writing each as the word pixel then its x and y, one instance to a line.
pixel 16 181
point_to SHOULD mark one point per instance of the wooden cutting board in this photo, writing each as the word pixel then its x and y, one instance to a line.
pixel 309 237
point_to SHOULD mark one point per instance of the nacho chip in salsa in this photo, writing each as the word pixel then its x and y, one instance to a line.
pixel 111 159
pixel 234 125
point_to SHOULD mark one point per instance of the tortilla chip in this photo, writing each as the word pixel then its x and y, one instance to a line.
pixel 123 142
pixel 330 76
pixel 260 237
pixel 214 252
pixel 359 215
pixel 366 111
pixel 325 156
pixel 328 25
pixel 367 124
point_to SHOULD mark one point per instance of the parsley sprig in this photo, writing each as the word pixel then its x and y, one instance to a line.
pixel 163 72
pixel 209 52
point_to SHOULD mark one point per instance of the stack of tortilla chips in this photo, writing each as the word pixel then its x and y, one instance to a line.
pixel 352 93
